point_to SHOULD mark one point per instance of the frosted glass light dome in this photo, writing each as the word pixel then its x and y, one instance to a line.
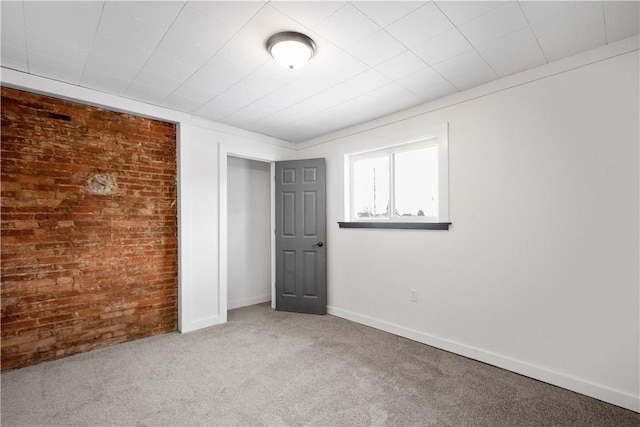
pixel 291 50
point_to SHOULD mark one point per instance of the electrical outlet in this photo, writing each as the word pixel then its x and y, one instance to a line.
pixel 414 295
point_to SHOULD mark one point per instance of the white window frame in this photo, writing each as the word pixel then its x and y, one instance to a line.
pixel 437 136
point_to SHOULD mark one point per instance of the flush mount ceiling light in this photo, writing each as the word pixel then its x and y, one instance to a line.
pixel 291 50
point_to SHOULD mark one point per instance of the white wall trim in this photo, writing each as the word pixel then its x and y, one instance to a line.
pixel 223 153
pixel 248 301
pixel 598 391
pixel 41 85
pixel 204 323
pixel 564 65
pixel 184 273
pixel 273 235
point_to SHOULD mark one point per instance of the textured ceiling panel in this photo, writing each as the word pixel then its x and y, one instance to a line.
pixel 374 58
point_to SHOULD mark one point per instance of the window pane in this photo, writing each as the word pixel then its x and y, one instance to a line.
pixel 416 183
pixel 371 188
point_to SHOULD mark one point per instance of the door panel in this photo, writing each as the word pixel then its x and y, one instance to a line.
pixel 310 275
pixel 300 236
pixel 288 214
pixel 309 211
pixel 289 271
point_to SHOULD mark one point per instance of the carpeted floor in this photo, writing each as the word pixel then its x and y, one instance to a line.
pixel 271 368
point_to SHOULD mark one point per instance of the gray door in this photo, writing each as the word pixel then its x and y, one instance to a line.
pixel 301 276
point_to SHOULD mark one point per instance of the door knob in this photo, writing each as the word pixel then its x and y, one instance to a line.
pixel 319 245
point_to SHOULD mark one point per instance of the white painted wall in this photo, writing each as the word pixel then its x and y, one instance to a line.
pixel 540 270
pixel 203 216
pixel 249 236
pixel 202 302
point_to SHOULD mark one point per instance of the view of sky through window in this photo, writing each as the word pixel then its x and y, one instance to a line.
pixel 371 198
pixel 415 184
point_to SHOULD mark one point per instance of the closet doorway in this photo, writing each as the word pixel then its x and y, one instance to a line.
pixel 248 232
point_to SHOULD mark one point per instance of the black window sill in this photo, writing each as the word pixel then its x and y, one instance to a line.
pixel 397 225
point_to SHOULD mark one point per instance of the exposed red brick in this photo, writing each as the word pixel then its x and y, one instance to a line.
pixel 79 270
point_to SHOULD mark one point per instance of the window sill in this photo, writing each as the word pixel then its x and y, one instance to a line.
pixel 396 225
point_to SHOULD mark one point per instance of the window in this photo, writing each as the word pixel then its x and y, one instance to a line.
pixel 404 183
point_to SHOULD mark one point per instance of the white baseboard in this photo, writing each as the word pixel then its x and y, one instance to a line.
pixel 248 301
pixel 194 325
pixel 598 391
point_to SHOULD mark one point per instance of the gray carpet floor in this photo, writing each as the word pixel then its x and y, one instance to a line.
pixel 272 368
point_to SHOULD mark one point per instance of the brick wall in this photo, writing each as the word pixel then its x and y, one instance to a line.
pixel 89 231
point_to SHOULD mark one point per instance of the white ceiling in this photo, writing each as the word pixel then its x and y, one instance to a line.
pixel 374 57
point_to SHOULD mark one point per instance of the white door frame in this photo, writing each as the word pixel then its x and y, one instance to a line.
pixel 224 151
